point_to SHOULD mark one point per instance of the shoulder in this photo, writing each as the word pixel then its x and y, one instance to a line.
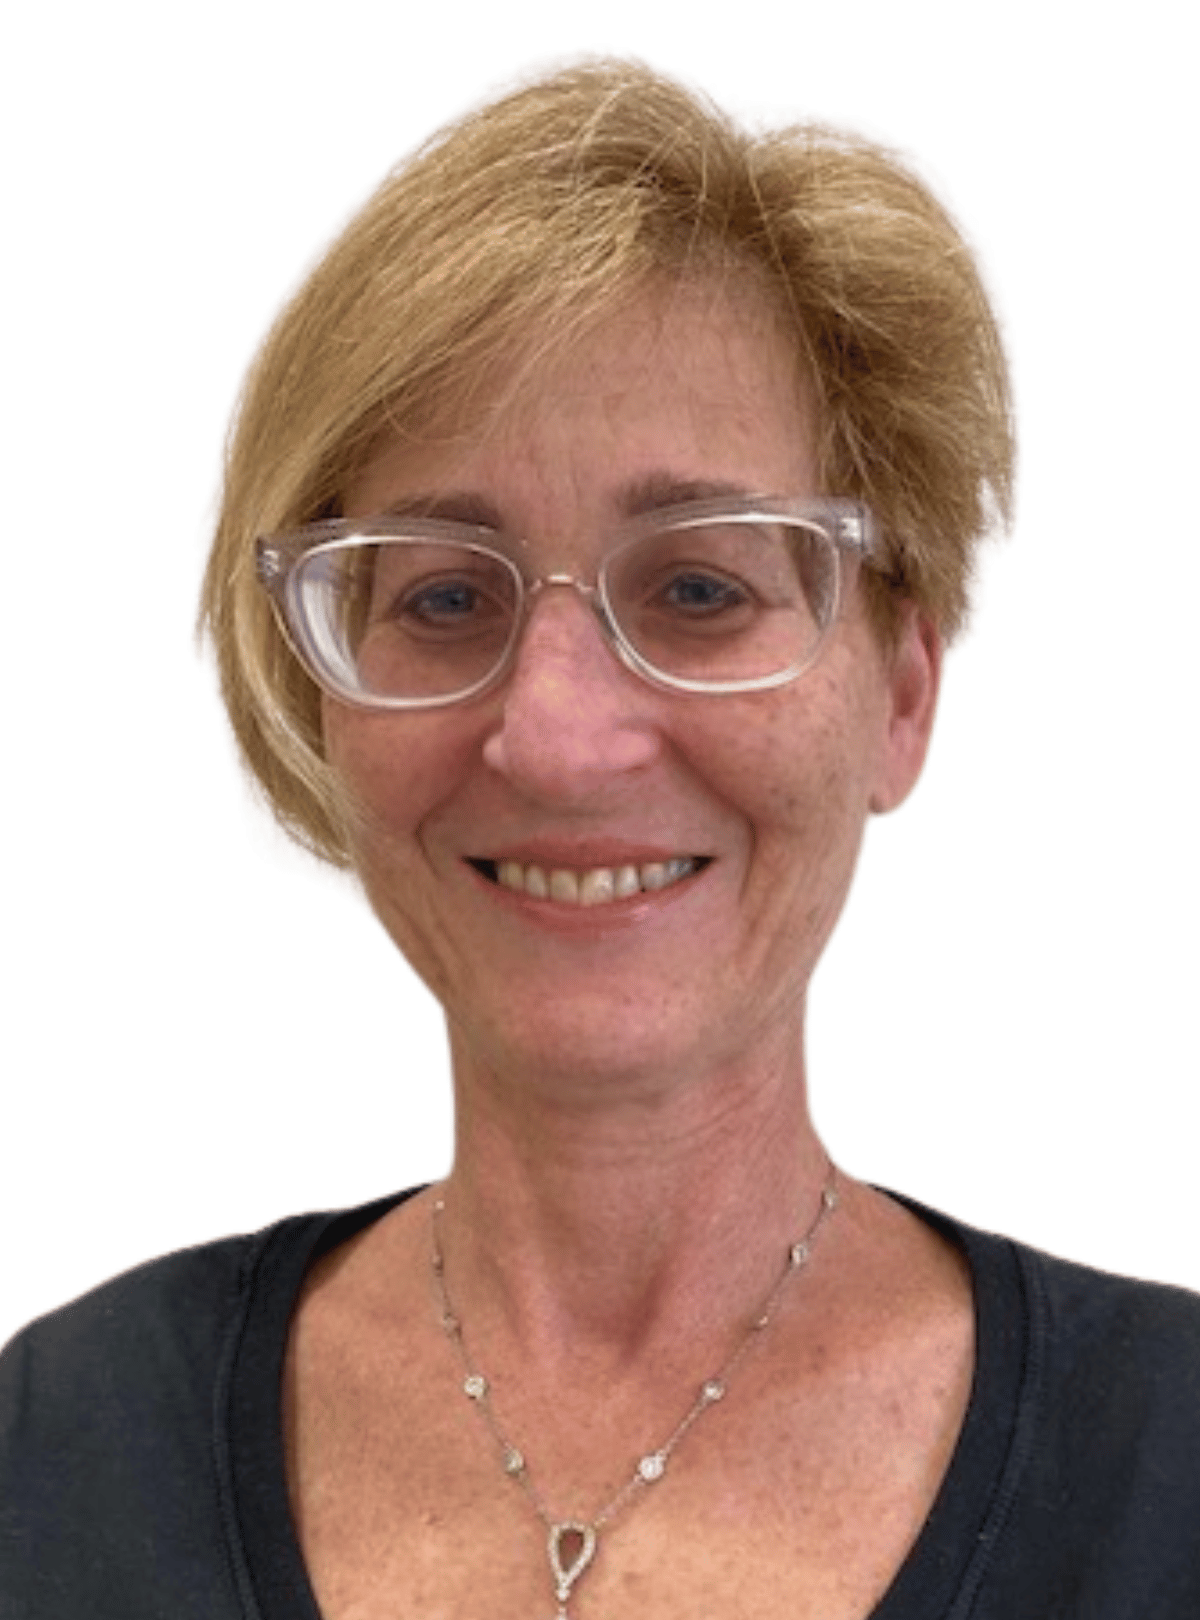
pixel 104 1432
pixel 1133 1345
pixel 1098 1346
pixel 163 1315
pixel 112 1424
pixel 119 1383
pixel 1101 1492
pixel 164 1324
pixel 1081 1321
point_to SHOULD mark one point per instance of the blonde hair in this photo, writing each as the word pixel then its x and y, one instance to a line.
pixel 533 215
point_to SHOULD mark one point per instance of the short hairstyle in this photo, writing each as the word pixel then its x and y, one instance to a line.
pixel 531 216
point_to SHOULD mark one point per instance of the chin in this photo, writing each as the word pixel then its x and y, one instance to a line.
pixel 583 1043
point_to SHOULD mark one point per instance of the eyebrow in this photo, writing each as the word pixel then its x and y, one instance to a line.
pixel 658 490
pixel 464 507
pixel 653 492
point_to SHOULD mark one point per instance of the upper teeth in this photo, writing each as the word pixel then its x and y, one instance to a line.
pixel 595 887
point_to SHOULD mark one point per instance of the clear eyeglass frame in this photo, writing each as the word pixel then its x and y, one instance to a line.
pixel 845 525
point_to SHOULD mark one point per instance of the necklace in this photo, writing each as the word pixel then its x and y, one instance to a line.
pixel 571 1544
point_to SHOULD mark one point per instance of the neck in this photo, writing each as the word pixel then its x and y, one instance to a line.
pixel 575 1227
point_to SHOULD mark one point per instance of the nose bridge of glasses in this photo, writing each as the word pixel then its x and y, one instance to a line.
pixel 536 586
pixel 591 595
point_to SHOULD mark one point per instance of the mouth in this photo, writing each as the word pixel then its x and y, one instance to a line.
pixel 589 886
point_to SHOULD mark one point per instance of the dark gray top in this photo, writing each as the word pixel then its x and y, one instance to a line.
pixel 142 1470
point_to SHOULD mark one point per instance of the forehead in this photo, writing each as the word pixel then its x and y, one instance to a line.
pixel 677 393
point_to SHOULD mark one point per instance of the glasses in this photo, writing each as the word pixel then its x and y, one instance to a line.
pixel 410 613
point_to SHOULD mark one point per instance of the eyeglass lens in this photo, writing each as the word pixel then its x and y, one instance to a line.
pixel 710 603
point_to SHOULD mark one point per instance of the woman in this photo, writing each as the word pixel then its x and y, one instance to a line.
pixel 594 521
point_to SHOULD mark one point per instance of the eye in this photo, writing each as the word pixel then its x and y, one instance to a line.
pixel 702 593
pixel 445 602
pixel 421 591
pixel 666 591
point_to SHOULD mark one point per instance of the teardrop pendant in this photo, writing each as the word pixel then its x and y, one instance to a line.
pixel 565 1566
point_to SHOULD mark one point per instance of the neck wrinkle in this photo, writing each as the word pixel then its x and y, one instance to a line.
pixel 613 1234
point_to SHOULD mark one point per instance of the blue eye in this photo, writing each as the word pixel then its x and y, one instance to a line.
pixel 447 601
pixel 697 593
pixel 446 607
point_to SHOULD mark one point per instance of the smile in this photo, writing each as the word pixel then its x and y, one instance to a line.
pixel 595 886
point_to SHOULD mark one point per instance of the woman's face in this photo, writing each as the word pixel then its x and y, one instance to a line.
pixel 574 764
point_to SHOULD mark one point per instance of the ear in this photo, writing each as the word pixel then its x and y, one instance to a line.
pixel 913 674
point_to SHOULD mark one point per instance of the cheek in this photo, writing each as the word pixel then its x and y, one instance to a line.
pixel 799 763
pixel 798 769
pixel 393 770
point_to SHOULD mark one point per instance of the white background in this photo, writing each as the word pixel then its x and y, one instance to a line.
pixel 201 1030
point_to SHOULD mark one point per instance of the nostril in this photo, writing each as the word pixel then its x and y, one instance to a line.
pixel 570 759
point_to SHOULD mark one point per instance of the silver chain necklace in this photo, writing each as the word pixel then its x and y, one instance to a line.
pixel 571 1544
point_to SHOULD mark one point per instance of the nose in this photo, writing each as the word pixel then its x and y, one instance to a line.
pixel 573 719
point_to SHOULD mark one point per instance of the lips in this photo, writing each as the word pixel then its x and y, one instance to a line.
pixel 588 886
